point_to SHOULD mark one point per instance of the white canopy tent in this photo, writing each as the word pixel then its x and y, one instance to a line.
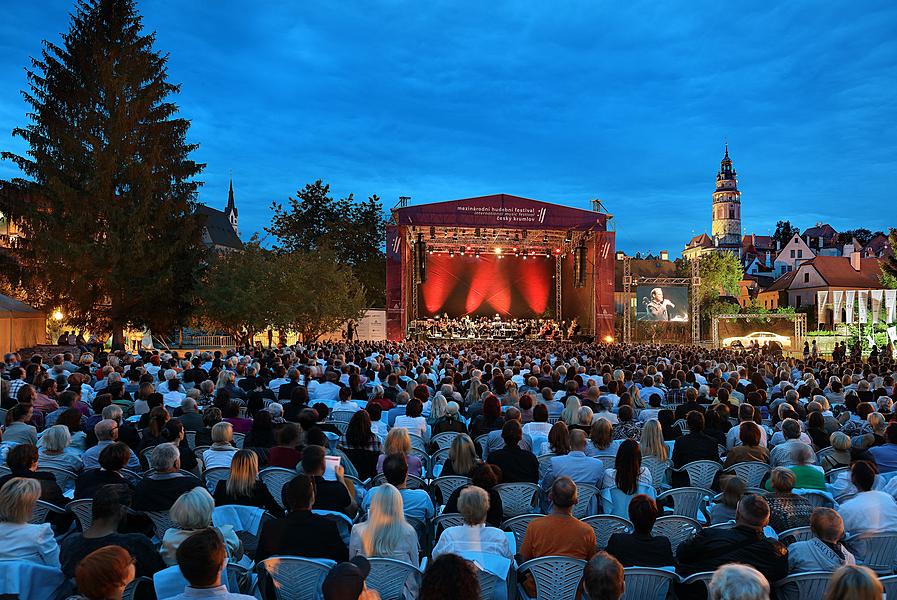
pixel 20 325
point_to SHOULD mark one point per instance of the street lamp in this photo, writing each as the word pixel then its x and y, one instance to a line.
pixel 57 315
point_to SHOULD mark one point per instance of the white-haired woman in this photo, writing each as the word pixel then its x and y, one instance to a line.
pixel 738 581
pixel 473 535
pixel 190 513
pixel 386 534
pixel 20 540
pixel 221 453
pixel 52 450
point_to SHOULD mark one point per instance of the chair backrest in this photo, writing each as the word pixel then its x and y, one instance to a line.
pixel 161 522
pixel 701 473
pixel 607 525
pixel 518 498
pixel 687 501
pixel 343 522
pixel 418 442
pixel 439 457
pixel 424 459
pixel 65 478
pixel 445 486
pixel 556 577
pixel 296 578
pixel 214 475
pixel 751 472
pixel 608 460
pixel 388 577
pixel 488 583
pixel 274 479
pixel 803 585
pixel 131 477
pixel 659 470
pixel 833 474
pixel 890 585
pixel 877 551
pixel 342 416
pixel 647 583
pixel 199 451
pixel 83 511
pixel 584 492
pixel 817 498
pixel 702 577
pixel 682 424
pixel 190 436
pixel 796 534
pixel 517 525
pixel 444 440
pixel 139 587
pixel 544 463
pixel 41 510
pixel 823 453
pixel 239 438
pixel 444 521
pixel 676 528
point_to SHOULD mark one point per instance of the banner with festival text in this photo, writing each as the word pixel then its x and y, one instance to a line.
pixel 891 306
pixel 863 304
pixel 837 302
pixel 850 297
pixel 877 296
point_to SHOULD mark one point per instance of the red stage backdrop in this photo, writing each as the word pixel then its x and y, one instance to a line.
pixel 511 286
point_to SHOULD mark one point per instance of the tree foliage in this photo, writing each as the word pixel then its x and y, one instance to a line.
pixel 106 206
pixel 720 274
pixel 353 232
pixel 862 235
pixel 784 232
pixel 889 267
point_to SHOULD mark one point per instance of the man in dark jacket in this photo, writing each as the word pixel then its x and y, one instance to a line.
pixel 160 490
pixel 301 532
pixel 516 464
pixel 696 445
pixel 745 543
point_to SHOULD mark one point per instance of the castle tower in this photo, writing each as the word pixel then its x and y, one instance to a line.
pixel 230 211
pixel 726 228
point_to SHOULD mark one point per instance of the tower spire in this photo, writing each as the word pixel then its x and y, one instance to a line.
pixel 230 211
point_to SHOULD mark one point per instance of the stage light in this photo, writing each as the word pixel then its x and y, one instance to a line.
pixel 515 248
pixel 498 250
pixel 452 253
pixel 500 256
pixel 461 251
pixel 478 254
pixel 432 233
pixel 557 250
pixel 609 339
pixel 57 315
pixel 525 256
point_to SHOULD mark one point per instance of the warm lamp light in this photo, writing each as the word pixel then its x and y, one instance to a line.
pixel 609 339
pixel 57 316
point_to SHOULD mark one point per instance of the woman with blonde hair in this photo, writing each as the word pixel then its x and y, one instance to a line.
pixel 19 539
pixel 651 443
pixel 462 457
pixel 243 486
pixel 190 513
pixel 399 442
pixel 853 582
pixel 636 396
pixel 570 414
pixel 437 408
pixel 221 453
pixel 386 534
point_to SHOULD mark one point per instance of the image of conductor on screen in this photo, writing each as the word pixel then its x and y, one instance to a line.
pixel 658 307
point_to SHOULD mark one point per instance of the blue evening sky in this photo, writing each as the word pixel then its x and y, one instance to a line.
pixel 629 102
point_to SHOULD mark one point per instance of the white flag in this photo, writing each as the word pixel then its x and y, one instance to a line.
pixel 877 296
pixel 837 301
pixel 891 306
pixel 892 334
pixel 821 299
pixel 849 302
pixel 863 302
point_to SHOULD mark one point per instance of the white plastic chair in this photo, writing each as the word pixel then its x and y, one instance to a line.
pixel 343 522
pixel 701 473
pixel 341 416
pixel 388 577
pixel 750 472
pixel 274 479
pixel 890 585
pixel 161 522
pixel 518 498
pixel 659 470
pixel 585 493
pixel 676 528
pixel 448 484
pixel 41 510
pixel 239 439
pixel 296 578
pixel 544 464
pixel 444 521
pixel 83 511
pixel 608 460
pixel 444 440
pixel 556 577
pixel 517 525
pixel 877 551
pixel 647 583
pixel 803 586
pixel 607 525
pixel 214 475
pixel 65 478
pixel 688 501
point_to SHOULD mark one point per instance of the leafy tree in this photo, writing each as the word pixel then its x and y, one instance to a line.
pixel 720 274
pixel 107 205
pixel 784 232
pixel 889 267
pixel 862 235
pixel 353 232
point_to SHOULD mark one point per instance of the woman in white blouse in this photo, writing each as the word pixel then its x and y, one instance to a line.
pixel 413 420
pixel 474 536
pixel 221 453
pixel 52 450
pixel 20 540
pixel 190 513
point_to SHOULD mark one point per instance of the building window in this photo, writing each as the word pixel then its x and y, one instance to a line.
pixel 792 254
pixel 800 253
pixel 807 277
pixel 797 301
pixel 731 213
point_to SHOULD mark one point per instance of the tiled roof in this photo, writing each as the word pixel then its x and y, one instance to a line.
pixel 782 283
pixel 837 271
pixel 219 227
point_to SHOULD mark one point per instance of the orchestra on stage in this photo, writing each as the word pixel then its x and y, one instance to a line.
pixel 495 328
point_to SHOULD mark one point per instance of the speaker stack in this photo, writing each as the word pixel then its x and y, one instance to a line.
pixel 421 249
pixel 579 266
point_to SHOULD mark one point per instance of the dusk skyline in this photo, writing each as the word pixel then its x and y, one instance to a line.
pixel 630 104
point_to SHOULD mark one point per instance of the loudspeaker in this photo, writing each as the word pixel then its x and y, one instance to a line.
pixel 579 266
pixel 421 249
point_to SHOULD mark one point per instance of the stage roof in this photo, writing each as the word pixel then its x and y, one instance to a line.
pixel 501 211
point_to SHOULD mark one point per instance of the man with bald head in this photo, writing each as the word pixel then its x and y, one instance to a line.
pixel 559 533
pixel 576 465
pixel 107 433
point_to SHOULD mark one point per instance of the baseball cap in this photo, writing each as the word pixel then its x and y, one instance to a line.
pixel 345 581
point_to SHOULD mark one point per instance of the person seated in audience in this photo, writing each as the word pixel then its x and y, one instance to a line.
pixel 559 533
pixel 652 444
pixel 746 414
pixel 485 477
pixel 211 416
pixel 345 581
pixel 462 457
pixel 558 440
pixel 474 535
pixel 105 573
pixel 626 427
pixel 750 445
pixel 743 543
pixel 732 490
pixel 190 416
pixel 107 433
pixel 201 559
pixel 809 476
pixel 386 533
pixel 174 433
pixel 22 461
pixel 261 434
pixel 230 410
pixel 378 426
pixel 576 465
pixel 19 539
pixel 18 430
pixel 301 532
pixel 159 490
pixel 600 438
pixel 640 548
pixel 243 486
pixel 286 454
pixel 628 477
pixel 516 464
pixel 222 450
pixel 871 511
pixel 885 455
pixel 603 578
pixel 490 420
pixel 361 444
pixel 539 426
pixel 841 454
pixel 113 459
pixel 450 421
pixel 824 551
pixel 494 439
pixel 109 511
pixel 853 582
pixel 190 513
pixel 695 445
pixel 417 503
pixel 787 509
pixel 329 495
pixel 738 582
pixel 782 454
pixel 399 442
pixel 449 577
pixel 53 450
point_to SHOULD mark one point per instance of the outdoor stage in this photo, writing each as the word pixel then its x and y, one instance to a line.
pixel 500 255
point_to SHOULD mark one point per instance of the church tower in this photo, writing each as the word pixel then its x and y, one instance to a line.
pixel 726 228
pixel 230 211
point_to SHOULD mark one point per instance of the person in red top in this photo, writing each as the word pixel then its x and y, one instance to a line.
pixel 285 454
pixel 382 401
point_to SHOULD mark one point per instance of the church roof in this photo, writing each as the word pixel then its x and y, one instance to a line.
pixel 220 230
pixel 703 240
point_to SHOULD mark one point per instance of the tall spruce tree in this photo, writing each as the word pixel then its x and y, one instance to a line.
pixel 106 206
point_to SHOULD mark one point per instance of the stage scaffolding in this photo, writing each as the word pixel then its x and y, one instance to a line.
pixel 693 282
